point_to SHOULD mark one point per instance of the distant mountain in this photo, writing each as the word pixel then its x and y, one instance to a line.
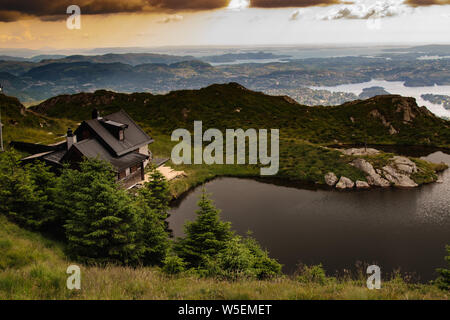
pixel 232 57
pixel 382 119
pixel 372 92
pixel 163 73
pixel 132 59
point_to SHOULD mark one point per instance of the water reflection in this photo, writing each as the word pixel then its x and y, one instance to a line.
pixel 392 228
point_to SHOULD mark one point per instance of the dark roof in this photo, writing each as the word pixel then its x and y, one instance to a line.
pixel 114 123
pixel 91 148
pixel 103 144
pixel 134 136
pixel 55 157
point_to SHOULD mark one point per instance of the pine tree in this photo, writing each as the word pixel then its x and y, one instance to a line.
pixel 152 236
pixel 102 221
pixel 206 236
pixel 157 194
pixel 45 184
pixel 23 196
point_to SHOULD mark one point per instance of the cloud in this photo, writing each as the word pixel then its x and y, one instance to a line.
pixel 9 16
pixel 416 3
pixel 238 4
pixel 368 10
pixel 171 18
pixel 49 10
pixel 291 3
pixel 12 10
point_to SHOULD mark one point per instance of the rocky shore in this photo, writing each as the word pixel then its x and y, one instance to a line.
pixel 396 171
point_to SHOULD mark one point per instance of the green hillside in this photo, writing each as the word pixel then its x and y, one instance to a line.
pixel 22 125
pixel 380 120
pixel 304 131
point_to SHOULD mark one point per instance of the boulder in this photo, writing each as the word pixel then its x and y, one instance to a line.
pixel 331 179
pixel 404 164
pixel 398 179
pixel 373 178
pixel 362 185
pixel 360 151
pixel 345 183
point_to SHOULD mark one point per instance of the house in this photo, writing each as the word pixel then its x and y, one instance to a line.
pixel 115 138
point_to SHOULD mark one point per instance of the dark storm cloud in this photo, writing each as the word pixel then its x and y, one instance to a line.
pixel 290 3
pixel 417 3
pixel 47 10
pixel 12 10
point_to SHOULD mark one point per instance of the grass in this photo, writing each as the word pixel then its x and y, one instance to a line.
pixel 300 162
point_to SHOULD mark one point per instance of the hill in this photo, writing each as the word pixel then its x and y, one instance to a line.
pixel 389 119
pixel 305 132
pixel 24 125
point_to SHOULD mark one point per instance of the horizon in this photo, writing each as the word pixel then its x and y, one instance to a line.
pixel 224 23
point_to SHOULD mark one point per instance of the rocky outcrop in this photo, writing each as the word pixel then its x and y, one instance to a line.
pixel 360 152
pixel 398 179
pixel 404 164
pixel 406 106
pixel 331 179
pixel 373 177
pixel 377 115
pixel 345 183
pixel 362 185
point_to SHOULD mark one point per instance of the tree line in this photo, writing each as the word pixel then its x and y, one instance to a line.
pixel 101 223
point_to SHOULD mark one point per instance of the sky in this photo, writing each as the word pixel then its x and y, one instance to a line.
pixel 42 24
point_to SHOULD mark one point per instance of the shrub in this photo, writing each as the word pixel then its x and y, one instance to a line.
pixel 233 262
pixel 173 264
pixel 241 258
pixel 264 266
pixel 313 274
pixel 443 281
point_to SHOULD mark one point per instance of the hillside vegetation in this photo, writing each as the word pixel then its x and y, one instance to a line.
pixel 22 125
pixel 304 131
pixel 34 267
pixel 387 119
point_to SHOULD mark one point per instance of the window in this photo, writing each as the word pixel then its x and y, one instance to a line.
pixel 121 135
pixel 127 172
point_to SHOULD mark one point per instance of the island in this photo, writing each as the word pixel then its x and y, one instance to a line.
pixel 438 99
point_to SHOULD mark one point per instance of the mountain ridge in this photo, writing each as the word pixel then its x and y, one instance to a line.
pixel 386 119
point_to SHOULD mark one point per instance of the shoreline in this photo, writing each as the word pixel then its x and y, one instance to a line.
pixel 177 197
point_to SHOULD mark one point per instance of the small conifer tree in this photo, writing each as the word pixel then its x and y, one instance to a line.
pixel 206 236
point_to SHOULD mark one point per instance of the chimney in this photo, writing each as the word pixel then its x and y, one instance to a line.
pixel 95 114
pixel 71 138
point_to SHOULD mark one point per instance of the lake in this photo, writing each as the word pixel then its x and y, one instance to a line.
pixel 398 87
pixel 393 228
